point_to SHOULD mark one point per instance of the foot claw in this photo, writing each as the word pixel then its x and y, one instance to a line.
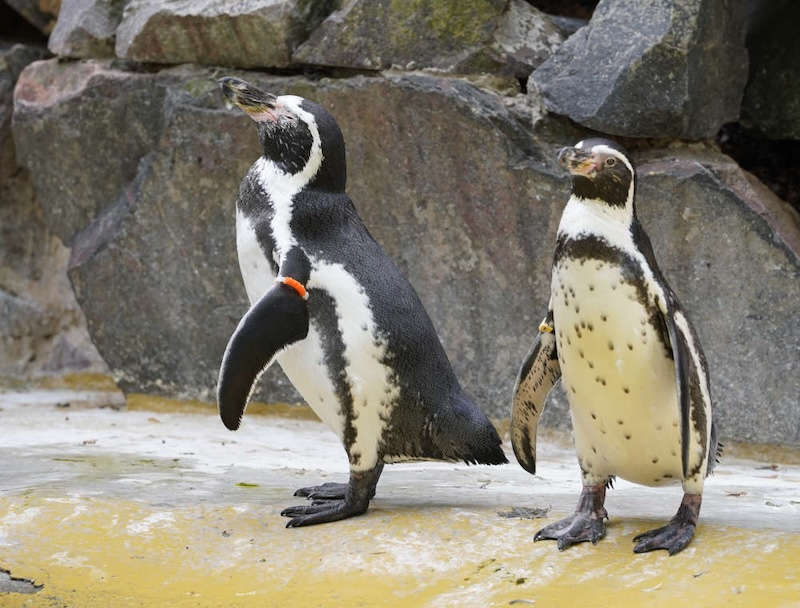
pixel 673 537
pixel 331 510
pixel 326 491
pixel 580 527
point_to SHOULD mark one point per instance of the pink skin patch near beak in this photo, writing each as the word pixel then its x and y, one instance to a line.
pixel 586 167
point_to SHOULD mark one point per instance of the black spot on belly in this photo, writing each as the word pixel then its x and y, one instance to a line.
pixel 594 449
pixel 594 416
pixel 667 475
pixel 630 346
pixel 603 317
pixel 654 460
pixel 577 309
pixel 627 435
pixel 619 421
pixel 626 390
pixel 590 327
pixel 580 352
pixel 591 365
pixel 583 324
pixel 591 287
pixel 572 388
pixel 610 345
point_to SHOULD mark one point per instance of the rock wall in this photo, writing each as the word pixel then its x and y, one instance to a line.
pixel 451 163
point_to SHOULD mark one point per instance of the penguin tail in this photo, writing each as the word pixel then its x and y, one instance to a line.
pixel 468 435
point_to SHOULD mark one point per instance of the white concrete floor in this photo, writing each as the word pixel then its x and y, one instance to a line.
pixel 154 508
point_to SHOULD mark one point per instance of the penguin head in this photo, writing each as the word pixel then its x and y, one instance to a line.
pixel 600 171
pixel 299 136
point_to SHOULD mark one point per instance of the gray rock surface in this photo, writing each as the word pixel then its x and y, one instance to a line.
pixel 81 131
pixel 248 33
pixel 654 68
pixel 460 187
pixel 42 328
pixel 498 36
pixel 86 28
pixel 13 58
pixel 772 98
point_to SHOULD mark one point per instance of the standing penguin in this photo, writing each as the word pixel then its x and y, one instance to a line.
pixel 630 361
pixel 341 320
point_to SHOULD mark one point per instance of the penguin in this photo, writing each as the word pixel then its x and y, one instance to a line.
pixel 338 316
pixel 629 359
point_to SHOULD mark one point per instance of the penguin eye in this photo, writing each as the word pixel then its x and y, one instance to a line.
pixel 611 161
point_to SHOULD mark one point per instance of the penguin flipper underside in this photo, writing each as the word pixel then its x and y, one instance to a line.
pixel 539 372
pixel 277 320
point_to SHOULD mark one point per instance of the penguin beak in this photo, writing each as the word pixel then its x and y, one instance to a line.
pixel 259 105
pixel 578 162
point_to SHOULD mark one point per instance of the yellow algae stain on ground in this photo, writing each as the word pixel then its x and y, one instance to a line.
pixel 154 403
pixel 96 552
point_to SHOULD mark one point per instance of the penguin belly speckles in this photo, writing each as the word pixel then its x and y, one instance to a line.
pixel 336 314
pixel 618 374
pixel 630 362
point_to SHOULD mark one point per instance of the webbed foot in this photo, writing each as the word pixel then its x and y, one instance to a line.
pixel 675 536
pixel 586 524
pixel 325 491
pixel 335 501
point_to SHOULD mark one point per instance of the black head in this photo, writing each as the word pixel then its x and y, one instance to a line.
pixel 600 171
pixel 297 135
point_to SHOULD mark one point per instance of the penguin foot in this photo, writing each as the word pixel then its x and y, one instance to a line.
pixel 325 491
pixel 578 528
pixel 335 501
pixel 586 524
pixel 675 536
pixel 329 510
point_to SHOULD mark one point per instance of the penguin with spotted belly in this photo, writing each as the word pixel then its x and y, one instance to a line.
pixel 337 315
pixel 632 367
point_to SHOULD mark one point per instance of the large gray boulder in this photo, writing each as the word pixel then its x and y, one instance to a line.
pixel 93 124
pixel 771 102
pixel 86 28
pixel 654 68
pixel 460 187
pixel 42 328
pixel 499 36
pixel 248 33
pixel 13 58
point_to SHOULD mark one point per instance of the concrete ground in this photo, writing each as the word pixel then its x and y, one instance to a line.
pixel 160 505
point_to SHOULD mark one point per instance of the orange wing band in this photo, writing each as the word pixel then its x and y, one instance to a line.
pixel 296 285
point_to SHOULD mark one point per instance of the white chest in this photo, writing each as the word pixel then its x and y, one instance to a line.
pixel 618 378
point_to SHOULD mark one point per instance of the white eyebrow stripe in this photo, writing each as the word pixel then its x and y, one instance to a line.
pixel 612 152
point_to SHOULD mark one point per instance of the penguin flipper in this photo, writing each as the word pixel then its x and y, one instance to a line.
pixel 277 320
pixel 539 372
pixel 693 397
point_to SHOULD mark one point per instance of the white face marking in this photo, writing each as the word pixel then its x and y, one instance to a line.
pixel 626 214
pixel 281 186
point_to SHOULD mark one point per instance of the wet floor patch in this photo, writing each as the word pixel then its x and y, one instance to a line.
pixel 12 584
